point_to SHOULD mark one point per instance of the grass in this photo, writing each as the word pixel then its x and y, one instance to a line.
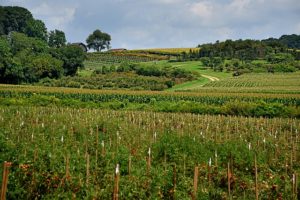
pixel 196 66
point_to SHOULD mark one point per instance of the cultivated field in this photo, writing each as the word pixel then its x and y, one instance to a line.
pixel 73 153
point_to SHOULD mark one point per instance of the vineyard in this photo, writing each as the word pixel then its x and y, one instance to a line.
pixel 232 139
pixel 73 153
pixel 260 80
pixel 115 58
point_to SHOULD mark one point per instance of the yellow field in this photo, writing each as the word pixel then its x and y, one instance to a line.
pixel 167 50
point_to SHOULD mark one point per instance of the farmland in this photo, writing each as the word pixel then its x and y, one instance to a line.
pixel 236 138
pixel 73 153
pixel 89 120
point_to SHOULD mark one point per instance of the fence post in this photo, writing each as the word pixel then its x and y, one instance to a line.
pixel 256 179
pixel 5 179
pixel 196 174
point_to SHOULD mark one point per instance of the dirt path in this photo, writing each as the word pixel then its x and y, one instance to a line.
pixel 211 78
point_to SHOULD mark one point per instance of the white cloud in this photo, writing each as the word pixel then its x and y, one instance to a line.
pixel 202 9
pixel 56 16
pixel 167 23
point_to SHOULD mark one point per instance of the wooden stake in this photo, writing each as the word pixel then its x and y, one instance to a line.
pixel 5 179
pixel 174 178
pixel 196 174
pixel 256 179
pixel 103 149
pixel 116 185
pixel 129 165
pixel 228 179
pixel 87 168
pixel 296 186
pixel 68 167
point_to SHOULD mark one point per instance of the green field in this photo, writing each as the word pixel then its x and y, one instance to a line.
pixel 72 153
pixel 216 137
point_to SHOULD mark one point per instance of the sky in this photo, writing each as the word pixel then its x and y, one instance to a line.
pixel 140 24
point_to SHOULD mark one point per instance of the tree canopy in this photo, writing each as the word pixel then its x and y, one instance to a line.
pixel 26 54
pixel 57 38
pixel 98 40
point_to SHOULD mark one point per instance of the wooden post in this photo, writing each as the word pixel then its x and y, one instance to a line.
pixel 103 149
pixel 196 174
pixel 5 179
pixel 87 168
pixel 129 165
pixel 116 185
pixel 216 159
pixel 296 186
pixel 174 181
pixel 68 167
pixel 228 179
pixel 256 179
pixel 208 172
pixel 165 160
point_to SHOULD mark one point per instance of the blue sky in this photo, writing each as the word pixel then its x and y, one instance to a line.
pixel 137 24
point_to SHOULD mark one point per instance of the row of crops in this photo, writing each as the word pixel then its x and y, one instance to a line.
pixel 207 97
pixel 65 153
pixel 111 58
pixel 260 80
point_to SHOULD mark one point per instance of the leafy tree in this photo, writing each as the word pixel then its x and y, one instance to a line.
pixel 5 56
pixel 44 65
pixel 98 40
pixel 13 19
pixel 72 57
pixel 280 58
pixel 36 28
pixel 20 41
pixel 57 39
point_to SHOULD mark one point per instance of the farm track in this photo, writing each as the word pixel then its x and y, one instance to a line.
pixel 211 78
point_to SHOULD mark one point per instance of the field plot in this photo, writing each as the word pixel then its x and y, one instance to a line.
pixel 73 153
pixel 281 83
pixel 206 102
pixel 115 58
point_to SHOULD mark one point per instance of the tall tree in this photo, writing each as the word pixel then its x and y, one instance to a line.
pixel 72 57
pixel 36 28
pixel 57 39
pixel 13 19
pixel 98 40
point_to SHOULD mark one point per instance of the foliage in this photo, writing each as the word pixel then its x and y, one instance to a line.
pixel 111 81
pixel 57 38
pixel 37 29
pixel 98 40
pixel 291 41
pixel 13 19
pixel 72 57
pixel 73 153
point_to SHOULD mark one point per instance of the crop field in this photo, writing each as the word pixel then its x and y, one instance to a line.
pixel 217 142
pixel 166 51
pixel 260 80
pixel 73 153
pixel 115 58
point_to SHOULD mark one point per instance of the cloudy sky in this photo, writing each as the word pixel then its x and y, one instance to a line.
pixel 167 23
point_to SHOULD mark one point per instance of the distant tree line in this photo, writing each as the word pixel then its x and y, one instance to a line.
pixel 249 49
pixel 28 52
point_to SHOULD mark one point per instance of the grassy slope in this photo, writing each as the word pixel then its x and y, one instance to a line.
pixel 197 66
